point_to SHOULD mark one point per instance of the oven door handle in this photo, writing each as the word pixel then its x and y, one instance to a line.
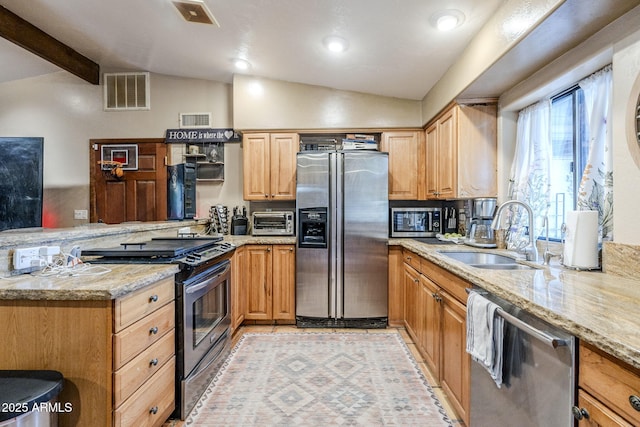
pixel 196 288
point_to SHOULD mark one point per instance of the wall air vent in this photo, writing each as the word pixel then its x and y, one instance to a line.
pixel 126 91
pixel 195 120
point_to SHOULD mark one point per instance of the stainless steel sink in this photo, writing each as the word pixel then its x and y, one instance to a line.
pixel 472 257
pixel 503 266
pixel 486 260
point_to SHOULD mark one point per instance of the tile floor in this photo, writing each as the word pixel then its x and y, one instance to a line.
pixel 407 339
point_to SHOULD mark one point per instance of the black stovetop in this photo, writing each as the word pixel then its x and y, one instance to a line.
pixel 168 248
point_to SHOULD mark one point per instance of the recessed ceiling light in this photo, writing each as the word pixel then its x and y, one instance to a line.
pixel 335 43
pixel 241 64
pixel 447 20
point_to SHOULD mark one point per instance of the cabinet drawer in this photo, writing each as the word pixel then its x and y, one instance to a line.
pixel 137 337
pixel 152 404
pixel 609 381
pixel 449 282
pixel 412 259
pixel 135 306
pixel 132 375
pixel 599 415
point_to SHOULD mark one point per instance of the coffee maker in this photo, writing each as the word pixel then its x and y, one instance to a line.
pixel 480 214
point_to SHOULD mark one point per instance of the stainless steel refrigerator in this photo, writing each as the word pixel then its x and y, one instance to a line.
pixel 342 207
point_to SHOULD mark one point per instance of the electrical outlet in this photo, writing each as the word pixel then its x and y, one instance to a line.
pixel 80 214
pixel 26 258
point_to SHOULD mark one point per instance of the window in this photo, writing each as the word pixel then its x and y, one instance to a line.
pixel 563 160
pixel 569 154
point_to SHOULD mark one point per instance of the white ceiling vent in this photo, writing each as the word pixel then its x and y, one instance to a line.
pixel 195 11
pixel 126 91
pixel 195 120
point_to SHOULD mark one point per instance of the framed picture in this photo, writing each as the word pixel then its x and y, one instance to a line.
pixel 126 154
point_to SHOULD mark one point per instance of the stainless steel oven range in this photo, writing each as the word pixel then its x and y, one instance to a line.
pixel 203 305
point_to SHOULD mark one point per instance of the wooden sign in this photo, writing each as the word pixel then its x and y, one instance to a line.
pixel 182 136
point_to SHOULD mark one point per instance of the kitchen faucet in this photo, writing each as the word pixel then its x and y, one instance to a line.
pixel 547 255
pixel 530 251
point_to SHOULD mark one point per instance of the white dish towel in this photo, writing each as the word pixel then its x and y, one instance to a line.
pixel 485 332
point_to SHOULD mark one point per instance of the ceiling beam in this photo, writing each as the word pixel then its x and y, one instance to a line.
pixel 33 39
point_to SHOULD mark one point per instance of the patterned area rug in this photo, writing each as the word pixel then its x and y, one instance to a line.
pixel 319 379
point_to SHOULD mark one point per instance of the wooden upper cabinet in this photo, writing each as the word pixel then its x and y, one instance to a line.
pixel 269 166
pixel 406 174
pixel 256 169
pixel 461 153
pixel 284 147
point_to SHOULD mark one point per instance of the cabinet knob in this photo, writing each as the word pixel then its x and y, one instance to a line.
pixel 635 402
pixel 266 196
pixel 290 249
pixel 153 410
pixel 408 258
pixel 153 330
pixel 273 195
pixel 416 280
pixel 268 249
pixel 153 362
pixel 153 298
pixel 579 413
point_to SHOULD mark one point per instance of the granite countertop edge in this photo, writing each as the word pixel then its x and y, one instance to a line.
pixel 117 281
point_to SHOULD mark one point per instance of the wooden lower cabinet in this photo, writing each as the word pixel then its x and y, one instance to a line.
pixel 430 339
pixel 119 367
pixel 395 313
pixel 596 414
pixel 412 302
pixel 455 362
pixel 435 317
pixel 269 282
pixel 607 388
pixel 238 267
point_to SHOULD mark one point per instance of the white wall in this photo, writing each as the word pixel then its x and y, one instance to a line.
pixel 261 104
pixel 626 172
pixel 68 112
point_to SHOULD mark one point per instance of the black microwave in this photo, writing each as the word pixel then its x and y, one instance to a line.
pixel 415 222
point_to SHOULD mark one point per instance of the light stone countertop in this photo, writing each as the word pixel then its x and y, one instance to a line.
pixel 600 308
pixel 120 280
pixel 101 282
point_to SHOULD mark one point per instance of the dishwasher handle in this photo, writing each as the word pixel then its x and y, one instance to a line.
pixel 543 336
pixel 551 340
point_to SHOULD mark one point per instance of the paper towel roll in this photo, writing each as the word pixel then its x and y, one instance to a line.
pixel 581 240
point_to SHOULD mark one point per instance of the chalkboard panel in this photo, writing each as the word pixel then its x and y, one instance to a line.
pixel 20 182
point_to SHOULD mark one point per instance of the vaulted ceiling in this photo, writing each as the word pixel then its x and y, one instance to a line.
pixel 393 49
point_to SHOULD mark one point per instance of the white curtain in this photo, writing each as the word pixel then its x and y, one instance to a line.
pixel 596 186
pixel 529 180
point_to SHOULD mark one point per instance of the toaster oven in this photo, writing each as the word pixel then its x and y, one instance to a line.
pixel 273 223
pixel 415 222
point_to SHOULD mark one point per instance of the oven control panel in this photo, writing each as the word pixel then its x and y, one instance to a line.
pixel 195 259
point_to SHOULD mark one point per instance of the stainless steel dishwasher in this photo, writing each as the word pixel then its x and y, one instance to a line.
pixel 538 375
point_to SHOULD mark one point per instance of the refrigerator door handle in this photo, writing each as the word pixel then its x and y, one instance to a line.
pixel 331 214
pixel 339 230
